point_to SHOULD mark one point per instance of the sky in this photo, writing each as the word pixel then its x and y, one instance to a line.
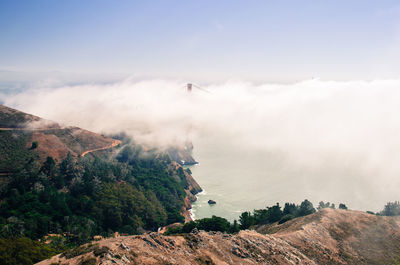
pixel 204 40
pixel 313 83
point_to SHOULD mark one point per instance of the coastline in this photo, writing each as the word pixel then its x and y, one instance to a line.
pixel 191 196
pixel 191 210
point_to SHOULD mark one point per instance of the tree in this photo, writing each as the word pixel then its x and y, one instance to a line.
pixel 306 208
pixel 290 208
pixel 246 220
pixel 391 209
pixel 342 206
pixel 49 167
pixel 275 213
pixel 235 227
pixel 214 223
pixel 323 205
pixel 67 167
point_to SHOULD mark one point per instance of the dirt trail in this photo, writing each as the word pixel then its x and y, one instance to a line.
pixel 114 143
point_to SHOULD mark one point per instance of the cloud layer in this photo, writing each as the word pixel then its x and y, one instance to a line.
pixel 330 128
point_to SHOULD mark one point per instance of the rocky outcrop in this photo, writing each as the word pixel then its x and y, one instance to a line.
pixel 247 247
pixel 192 189
pixel 327 237
pixel 182 155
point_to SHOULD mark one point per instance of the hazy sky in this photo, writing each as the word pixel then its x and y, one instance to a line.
pixel 271 40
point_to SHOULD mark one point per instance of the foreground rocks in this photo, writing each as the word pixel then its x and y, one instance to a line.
pixel 248 247
pixel 327 237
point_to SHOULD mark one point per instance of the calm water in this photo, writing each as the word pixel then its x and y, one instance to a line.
pixel 240 179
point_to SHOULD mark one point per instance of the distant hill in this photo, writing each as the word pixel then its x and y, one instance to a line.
pixel 18 130
pixel 12 118
pixel 326 237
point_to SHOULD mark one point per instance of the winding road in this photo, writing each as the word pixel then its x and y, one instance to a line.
pixel 113 144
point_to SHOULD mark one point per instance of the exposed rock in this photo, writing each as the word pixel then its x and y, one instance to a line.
pixel 211 202
pixel 182 155
pixel 199 248
pixel 125 247
pixel 192 189
pixel 326 237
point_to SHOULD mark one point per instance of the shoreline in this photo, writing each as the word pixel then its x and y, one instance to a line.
pixel 191 212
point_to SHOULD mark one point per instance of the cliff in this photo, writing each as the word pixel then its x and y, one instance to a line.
pixel 182 155
pixel 191 190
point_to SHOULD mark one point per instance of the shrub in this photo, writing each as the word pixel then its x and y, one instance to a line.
pixel 35 144
pixel 286 218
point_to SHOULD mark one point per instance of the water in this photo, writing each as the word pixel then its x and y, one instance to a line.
pixel 242 179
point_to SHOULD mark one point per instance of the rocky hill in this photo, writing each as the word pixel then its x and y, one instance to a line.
pixel 326 237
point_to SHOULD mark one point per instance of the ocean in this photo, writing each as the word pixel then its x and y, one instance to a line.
pixel 242 179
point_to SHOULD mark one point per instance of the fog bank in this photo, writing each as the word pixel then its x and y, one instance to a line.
pixel 330 132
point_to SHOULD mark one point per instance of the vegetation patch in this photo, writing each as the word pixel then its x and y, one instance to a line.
pixel 71 253
pixel 88 261
pixel 100 251
pixel 204 260
pixel 23 251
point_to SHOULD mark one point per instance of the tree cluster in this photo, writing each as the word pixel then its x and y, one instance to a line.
pixel 391 209
pixel 323 205
pixel 275 214
pixel 214 223
pixel 83 197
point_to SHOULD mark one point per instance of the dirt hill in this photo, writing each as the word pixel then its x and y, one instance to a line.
pixel 326 237
pixel 51 138
pixel 342 237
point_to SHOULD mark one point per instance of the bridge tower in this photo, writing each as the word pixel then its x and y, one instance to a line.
pixel 189 87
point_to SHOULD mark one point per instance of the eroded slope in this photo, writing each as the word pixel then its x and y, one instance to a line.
pixel 326 237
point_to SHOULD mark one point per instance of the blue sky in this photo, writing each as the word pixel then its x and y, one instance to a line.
pixel 338 39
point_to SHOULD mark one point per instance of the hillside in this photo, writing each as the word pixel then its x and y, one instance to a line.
pixel 15 119
pixel 65 185
pixel 342 237
pixel 51 138
pixel 326 237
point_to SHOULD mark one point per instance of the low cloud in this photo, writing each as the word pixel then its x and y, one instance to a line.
pixel 343 130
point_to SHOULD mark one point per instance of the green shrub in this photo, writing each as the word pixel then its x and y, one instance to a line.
pixel 286 218
pixel 35 144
